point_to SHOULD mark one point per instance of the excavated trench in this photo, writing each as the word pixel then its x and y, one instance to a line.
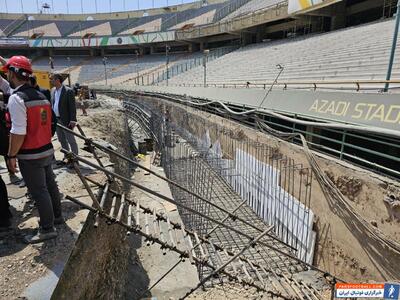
pixel 104 263
pixel 341 247
pixel 107 264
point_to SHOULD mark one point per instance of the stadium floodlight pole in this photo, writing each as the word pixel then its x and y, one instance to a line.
pixel 105 68
pixel 205 56
pixel 22 7
pixel 69 64
pixel 167 48
pixel 394 44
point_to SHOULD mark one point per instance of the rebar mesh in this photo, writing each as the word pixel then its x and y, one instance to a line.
pixel 252 179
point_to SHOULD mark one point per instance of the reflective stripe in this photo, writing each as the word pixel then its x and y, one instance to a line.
pixel 36 103
pixel 36 155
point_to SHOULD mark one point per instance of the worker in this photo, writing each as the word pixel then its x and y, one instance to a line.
pixel 5 213
pixel 76 88
pixel 51 63
pixel 34 84
pixel 7 90
pixel 81 98
pixel 63 102
pixel 30 142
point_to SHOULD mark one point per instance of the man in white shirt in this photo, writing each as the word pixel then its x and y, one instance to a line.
pixel 30 142
pixel 7 91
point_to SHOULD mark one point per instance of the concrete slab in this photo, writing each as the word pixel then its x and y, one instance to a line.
pixel 184 276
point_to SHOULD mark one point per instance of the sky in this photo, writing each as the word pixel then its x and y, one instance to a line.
pixel 85 6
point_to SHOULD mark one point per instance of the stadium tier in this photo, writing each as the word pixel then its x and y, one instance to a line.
pixel 124 67
pixel 310 47
pixel 28 27
pixel 354 53
pixel 252 6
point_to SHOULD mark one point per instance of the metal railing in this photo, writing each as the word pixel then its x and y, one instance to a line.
pixel 351 85
pixel 14 25
pixel 267 14
pixel 177 68
pixel 179 17
pixel 229 8
pixel 373 151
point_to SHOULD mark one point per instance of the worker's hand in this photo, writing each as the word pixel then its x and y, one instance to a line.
pixel 2 61
pixel 12 165
pixel 71 125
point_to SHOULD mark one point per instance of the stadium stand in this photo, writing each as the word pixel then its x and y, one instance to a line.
pixel 202 19
pixel 154 23
pixel 95 27
pixel 95 70
pixel 251 7
pixel 197 16
pixel 117 66
pixel 228 8
pixel 354 53
pixel 191 16
pixel 3 26
pixel 30 28
pixel 60 63
pixel 7 27
pixel 130 26
pixel 123 68
pixel 47 28
pixel 72 66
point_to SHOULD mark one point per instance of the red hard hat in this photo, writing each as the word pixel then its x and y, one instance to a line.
pixel 19 64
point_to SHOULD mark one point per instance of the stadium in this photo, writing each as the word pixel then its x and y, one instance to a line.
pixel 228 149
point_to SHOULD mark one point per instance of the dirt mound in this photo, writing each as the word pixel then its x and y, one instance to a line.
pixel 349 186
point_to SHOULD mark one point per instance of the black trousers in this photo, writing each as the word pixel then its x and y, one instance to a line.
pixel 40 181
pixel 4 205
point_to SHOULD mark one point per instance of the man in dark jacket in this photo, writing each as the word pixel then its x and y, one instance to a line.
pixel 63 103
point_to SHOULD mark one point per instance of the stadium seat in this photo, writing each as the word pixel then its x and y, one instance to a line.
pixel 354 53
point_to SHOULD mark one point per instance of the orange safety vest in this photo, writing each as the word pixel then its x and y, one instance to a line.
pixel 37 143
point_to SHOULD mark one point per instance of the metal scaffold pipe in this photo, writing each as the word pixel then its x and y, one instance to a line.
pixel 103 148
pixel 394 45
